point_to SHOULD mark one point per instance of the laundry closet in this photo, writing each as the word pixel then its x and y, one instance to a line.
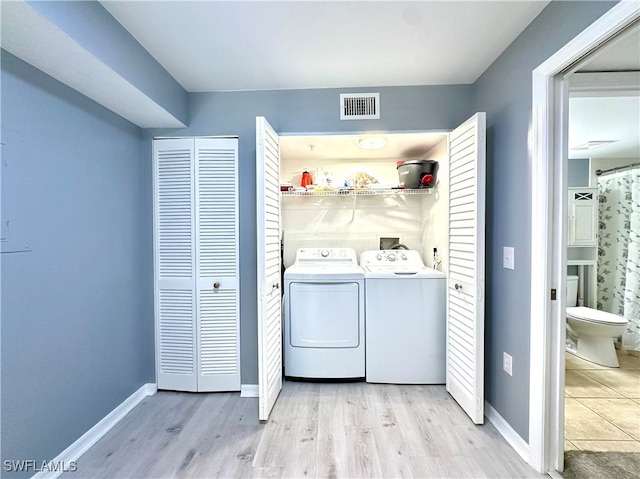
pixel 340 211
pixel 331 315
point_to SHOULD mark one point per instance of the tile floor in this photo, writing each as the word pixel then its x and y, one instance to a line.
pixel 602 405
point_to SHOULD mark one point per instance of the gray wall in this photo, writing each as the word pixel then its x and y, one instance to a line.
pixel 234 113
pixel 504 92
pixel 76 309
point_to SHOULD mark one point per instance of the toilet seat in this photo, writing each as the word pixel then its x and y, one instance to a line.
pixel 595 316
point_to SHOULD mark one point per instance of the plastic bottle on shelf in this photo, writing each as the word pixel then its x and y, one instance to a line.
pixel 329 179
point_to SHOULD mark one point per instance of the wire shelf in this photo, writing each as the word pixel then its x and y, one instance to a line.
pixel 360 192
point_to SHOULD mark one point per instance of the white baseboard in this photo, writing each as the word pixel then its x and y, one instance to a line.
pixel 249 391
pixel 81 445
pixel 507 432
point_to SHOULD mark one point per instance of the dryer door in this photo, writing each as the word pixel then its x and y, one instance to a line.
pixel 324 315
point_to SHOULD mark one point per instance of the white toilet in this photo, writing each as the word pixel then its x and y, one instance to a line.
pixel 592 330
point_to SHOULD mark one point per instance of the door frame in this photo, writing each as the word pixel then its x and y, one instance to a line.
pixel 548 159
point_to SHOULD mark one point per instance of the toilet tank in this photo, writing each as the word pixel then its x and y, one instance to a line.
pixel 572 291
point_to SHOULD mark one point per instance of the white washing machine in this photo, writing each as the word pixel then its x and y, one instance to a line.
pixel 324 315
pixel 405 318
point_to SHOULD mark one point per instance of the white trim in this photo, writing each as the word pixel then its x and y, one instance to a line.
pixel 545 409
pixel 93 435
pixel 249 391
pixel 507 432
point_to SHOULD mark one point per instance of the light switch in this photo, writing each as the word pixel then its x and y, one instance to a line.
pixel 508 257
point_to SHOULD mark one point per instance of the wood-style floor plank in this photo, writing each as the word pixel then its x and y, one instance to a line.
pixel 323 430
pixel 332 452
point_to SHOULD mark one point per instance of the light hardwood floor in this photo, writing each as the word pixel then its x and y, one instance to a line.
pixel 316 430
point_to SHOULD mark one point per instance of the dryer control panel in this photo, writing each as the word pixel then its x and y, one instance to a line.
pixel 327 256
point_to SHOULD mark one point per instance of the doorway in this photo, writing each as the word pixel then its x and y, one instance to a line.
pixel 549 212
pixel 600 408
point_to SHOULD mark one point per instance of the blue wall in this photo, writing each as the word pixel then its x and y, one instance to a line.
pixel 77 310
pixel 311 111
pixel 504 92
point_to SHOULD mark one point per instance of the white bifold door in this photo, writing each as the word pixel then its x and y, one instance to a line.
pixel 196 264
pixel 269 267
pixel 465 285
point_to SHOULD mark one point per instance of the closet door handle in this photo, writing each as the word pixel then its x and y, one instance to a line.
pixel 458 286
pixel 216 285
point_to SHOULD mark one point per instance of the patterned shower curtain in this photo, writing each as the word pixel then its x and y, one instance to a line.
pixel 619 250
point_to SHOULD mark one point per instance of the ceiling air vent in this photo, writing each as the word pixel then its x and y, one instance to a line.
pixel 360 106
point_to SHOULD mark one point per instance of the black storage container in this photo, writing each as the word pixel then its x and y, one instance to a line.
pixel 418 173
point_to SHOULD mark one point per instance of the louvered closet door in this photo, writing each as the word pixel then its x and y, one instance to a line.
pixel 175 298
pixel 216 213
pixel 268 259
pixel 465 291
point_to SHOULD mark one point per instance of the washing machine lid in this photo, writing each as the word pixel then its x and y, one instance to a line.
pixel 595 316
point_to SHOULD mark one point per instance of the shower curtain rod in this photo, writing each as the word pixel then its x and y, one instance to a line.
pixel 632 165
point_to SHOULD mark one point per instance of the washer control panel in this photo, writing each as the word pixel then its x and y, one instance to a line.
pixel 391 256
pixel 389 259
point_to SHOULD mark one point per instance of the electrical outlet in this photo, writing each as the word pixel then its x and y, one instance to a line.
pixel 508 257
pixel 507 363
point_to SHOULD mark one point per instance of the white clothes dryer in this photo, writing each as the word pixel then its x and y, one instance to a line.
pixel 324 315
pixel 405 318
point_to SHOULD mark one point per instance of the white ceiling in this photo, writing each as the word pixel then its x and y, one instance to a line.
pixel 598 119
pixel 611 113
pixel 267 45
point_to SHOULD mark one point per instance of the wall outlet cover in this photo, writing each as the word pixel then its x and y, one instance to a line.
pixel 507 363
